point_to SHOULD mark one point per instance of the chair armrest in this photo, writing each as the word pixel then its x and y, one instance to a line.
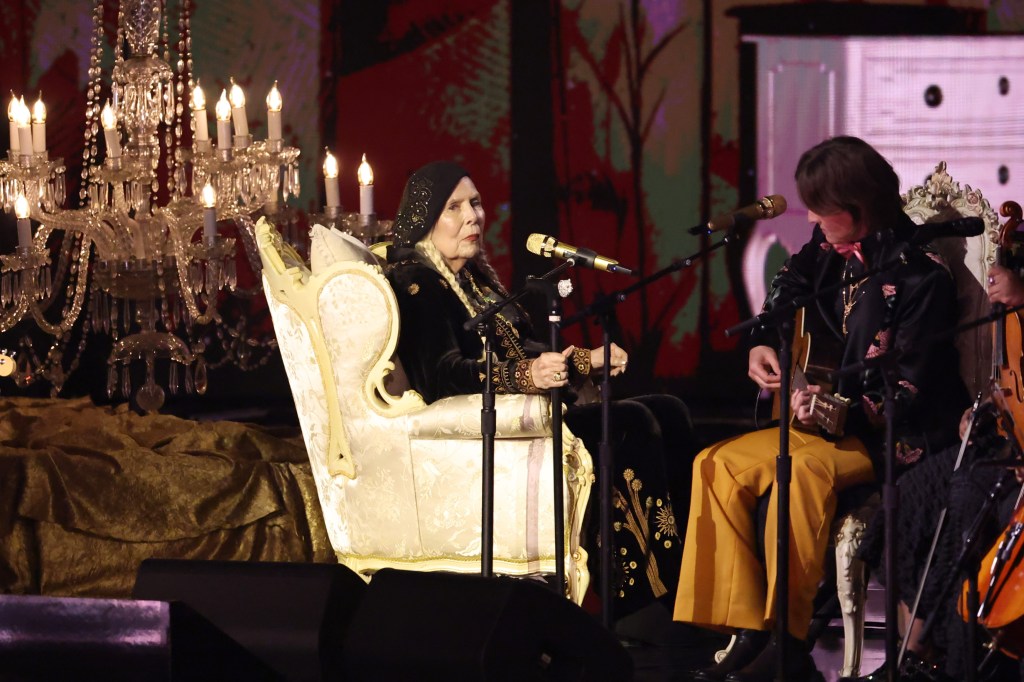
pixel 458 417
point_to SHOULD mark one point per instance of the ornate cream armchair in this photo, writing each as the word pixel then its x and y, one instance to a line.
pixel 399 481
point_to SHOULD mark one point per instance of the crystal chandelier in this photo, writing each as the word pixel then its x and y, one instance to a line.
pixel 142 261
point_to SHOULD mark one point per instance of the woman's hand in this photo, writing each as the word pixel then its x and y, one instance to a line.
pixel 618 357
pixel 800 403
pixel 549 370
pixel 763 367
pixel 1005 287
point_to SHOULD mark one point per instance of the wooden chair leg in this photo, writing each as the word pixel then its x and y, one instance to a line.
pixel 722 653
pixel 851 588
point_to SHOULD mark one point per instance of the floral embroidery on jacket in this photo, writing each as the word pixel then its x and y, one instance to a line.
pixel 909 386
pixel 906 454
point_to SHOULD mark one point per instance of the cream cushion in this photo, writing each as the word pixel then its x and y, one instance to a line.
pixel 329 245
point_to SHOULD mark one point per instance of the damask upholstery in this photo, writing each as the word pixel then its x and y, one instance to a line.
pixel 399 480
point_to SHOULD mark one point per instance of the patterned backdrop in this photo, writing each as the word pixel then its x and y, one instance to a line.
pixel 593 121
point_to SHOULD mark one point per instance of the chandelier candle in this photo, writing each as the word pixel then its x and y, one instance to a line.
pixel 365 175
pixel 237 99
pixel 199 119
pixel 331 185
pixel 12 111
pixel 223 113
pixel 274 105
pixel 24 226
pixel 209 199
pixel 39 126
pixel 24 119
pixel 109 121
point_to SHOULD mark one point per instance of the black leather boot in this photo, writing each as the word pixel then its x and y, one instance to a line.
pixel 799 664
pixel 747 646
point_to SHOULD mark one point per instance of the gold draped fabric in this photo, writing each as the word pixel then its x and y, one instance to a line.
pixel 87 493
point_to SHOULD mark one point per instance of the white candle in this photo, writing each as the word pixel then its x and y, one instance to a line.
pixel 12 111
pixel 24 119
pixel 237 98
pixel 223 112
pixel 109 121
pixel 39 126
pixel 331 181
pixel 199 113
pixel 365 175
pixel 24 225
pixel 209 200
pixel 274 104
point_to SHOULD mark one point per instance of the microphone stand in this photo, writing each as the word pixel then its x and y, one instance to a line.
pixel 482 322
pixel 488 429
pixel 602 308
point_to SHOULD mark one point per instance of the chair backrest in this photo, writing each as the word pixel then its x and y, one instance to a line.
pixel 337 327
pixel 939 199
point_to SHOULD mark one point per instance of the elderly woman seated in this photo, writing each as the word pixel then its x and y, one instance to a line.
pixel 441 278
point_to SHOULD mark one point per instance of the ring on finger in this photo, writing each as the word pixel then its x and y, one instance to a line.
pixel 557 376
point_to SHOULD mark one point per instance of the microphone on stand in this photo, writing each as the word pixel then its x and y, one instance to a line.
pixel 547 246
pixel 764 208
pixel 961 227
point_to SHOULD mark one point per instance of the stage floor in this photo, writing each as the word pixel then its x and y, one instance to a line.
pixel 663 650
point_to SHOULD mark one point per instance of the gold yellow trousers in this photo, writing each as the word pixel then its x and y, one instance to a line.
pixel 723 583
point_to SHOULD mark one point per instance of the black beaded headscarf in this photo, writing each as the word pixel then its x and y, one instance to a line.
pixel 423 200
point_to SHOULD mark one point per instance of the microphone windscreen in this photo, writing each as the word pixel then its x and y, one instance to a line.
pixel 776 204
pixel 535 243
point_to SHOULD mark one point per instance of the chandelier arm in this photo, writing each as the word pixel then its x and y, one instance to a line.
pixel 88 223
pixel 60 270
pixel 247 233
pixel 14 315
pixel 180 244
pixel 78 300
pixel 182 225
pixel 131 238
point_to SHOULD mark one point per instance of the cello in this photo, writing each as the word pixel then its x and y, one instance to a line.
pixel 1001 576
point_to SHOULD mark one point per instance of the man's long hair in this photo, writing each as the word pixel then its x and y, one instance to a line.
pixel 847 174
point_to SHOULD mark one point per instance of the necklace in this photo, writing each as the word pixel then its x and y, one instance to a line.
pixel 850 298
pixel 506 330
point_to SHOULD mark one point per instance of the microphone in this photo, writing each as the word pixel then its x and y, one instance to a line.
pixel 764 208
pixel 547 246
pixel 961 227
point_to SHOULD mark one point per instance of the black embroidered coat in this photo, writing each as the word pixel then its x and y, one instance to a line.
pixel 899 308
pixel 439 356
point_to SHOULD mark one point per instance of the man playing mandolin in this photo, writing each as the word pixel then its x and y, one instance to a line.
pixel 853 201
